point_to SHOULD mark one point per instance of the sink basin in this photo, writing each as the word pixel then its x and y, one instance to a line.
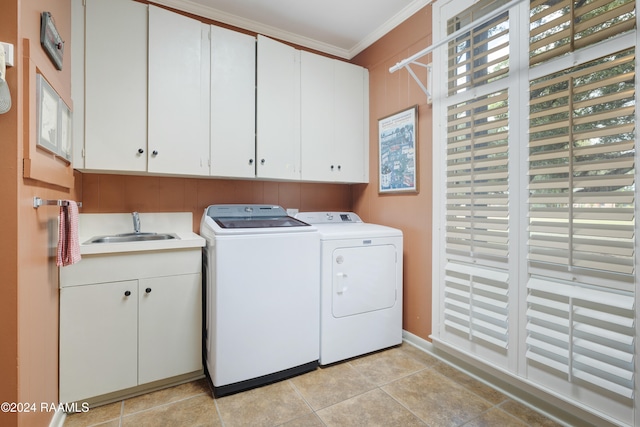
pixel 131 237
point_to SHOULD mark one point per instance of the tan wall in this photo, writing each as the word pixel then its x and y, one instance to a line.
pixel 390 93
pixel 29 303
pixel 9 230
pixel 119 193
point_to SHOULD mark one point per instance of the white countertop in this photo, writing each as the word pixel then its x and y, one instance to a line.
pixel 179 224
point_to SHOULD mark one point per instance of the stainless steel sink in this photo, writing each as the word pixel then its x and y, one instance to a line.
pixel 131 237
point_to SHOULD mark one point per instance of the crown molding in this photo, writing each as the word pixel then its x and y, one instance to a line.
pixel 269 31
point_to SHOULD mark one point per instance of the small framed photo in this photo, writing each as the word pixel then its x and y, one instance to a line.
pixel 398 170
pixel 65 147
pixel 47 115
pixel 54 121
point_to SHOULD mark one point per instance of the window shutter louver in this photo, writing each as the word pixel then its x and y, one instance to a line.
pixel 585 333
pixel 480 56
pixel 477 178
pixel 581 174
pixel 559 27
pixel 476 303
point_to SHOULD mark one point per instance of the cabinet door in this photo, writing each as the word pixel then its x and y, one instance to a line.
pixel 317 108
pixel 115 85
pixel 334 104
pixel 233 104
pixel 278 110
pixel 178 94
pixel 351 112
pixel 170 327
pixel 98 339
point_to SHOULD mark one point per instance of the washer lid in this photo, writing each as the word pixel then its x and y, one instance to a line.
pixel 252 216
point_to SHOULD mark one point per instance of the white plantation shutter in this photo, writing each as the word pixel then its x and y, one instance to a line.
pixel 561 26
pixel 476 280
pixel 477 178
pixel 479 56
pixel 536 195
pixel 476 303
pixel 582 174
pixel 584 333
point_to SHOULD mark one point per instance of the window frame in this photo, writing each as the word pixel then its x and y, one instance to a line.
pixel 521 73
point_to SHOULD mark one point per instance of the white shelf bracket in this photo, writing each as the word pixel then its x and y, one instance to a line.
pixel 406 63
pixel 424 86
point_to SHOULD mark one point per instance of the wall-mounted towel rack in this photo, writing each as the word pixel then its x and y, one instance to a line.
pixel 37 202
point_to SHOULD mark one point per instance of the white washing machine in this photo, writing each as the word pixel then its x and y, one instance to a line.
pixel 262 296
pixel 361 285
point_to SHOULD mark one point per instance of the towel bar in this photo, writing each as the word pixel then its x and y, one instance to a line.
pixel 37 202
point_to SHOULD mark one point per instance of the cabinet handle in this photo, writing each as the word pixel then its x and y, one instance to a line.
pixel 262 162
pixel 140 150
pixel 154 152
pixel 127 293
pixel 250 161
pixel 339 167
pixel 331 167
pixel 148 290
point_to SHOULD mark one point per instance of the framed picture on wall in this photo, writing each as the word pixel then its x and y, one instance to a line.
pixel 398 170
pixel 47 115
pixel 54 121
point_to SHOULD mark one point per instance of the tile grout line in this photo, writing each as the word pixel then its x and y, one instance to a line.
pixel 313 411
pixel 123 415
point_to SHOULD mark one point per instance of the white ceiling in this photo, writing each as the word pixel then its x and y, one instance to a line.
pixel 342 28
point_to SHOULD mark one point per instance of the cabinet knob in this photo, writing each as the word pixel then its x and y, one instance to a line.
pixel 331 167
pixel 262 162
pixel 154 152
pixel 127 293
pixel 339 167
pixel 148 290
pixel 140 150
pixel 250 161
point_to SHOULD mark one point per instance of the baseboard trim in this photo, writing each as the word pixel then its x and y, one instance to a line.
pixel 58 419
pixel 528 394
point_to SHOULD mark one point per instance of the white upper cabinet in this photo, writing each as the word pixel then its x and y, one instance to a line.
pixel 115 91
pixel 351 122
pixel 178 94
pixel 278 111
pixel 170 95
pixel 334 100
pixel 233 104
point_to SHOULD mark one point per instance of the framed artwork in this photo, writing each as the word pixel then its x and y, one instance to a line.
pixel 54 121
pixel 398 171
pixel 48 104
pixel 65 148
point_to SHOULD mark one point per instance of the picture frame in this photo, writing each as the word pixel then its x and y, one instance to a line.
pixel 65 142
pixel 397 152
pixel 54 121
pixel 50 39
pixel 48 107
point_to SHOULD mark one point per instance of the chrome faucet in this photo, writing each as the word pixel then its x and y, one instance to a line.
pixel 136 222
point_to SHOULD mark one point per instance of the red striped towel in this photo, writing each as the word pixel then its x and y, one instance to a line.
pixel 68 240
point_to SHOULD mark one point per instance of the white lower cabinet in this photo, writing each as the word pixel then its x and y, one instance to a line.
pixel 98 339
pixel 116 335
pixel 169 325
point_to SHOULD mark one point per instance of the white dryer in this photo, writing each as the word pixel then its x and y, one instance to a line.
pixel 361 285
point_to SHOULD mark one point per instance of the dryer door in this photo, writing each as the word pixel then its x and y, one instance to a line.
pixel 364 279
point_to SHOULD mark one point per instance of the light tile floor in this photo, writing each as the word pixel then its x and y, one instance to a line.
pixel 401 386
